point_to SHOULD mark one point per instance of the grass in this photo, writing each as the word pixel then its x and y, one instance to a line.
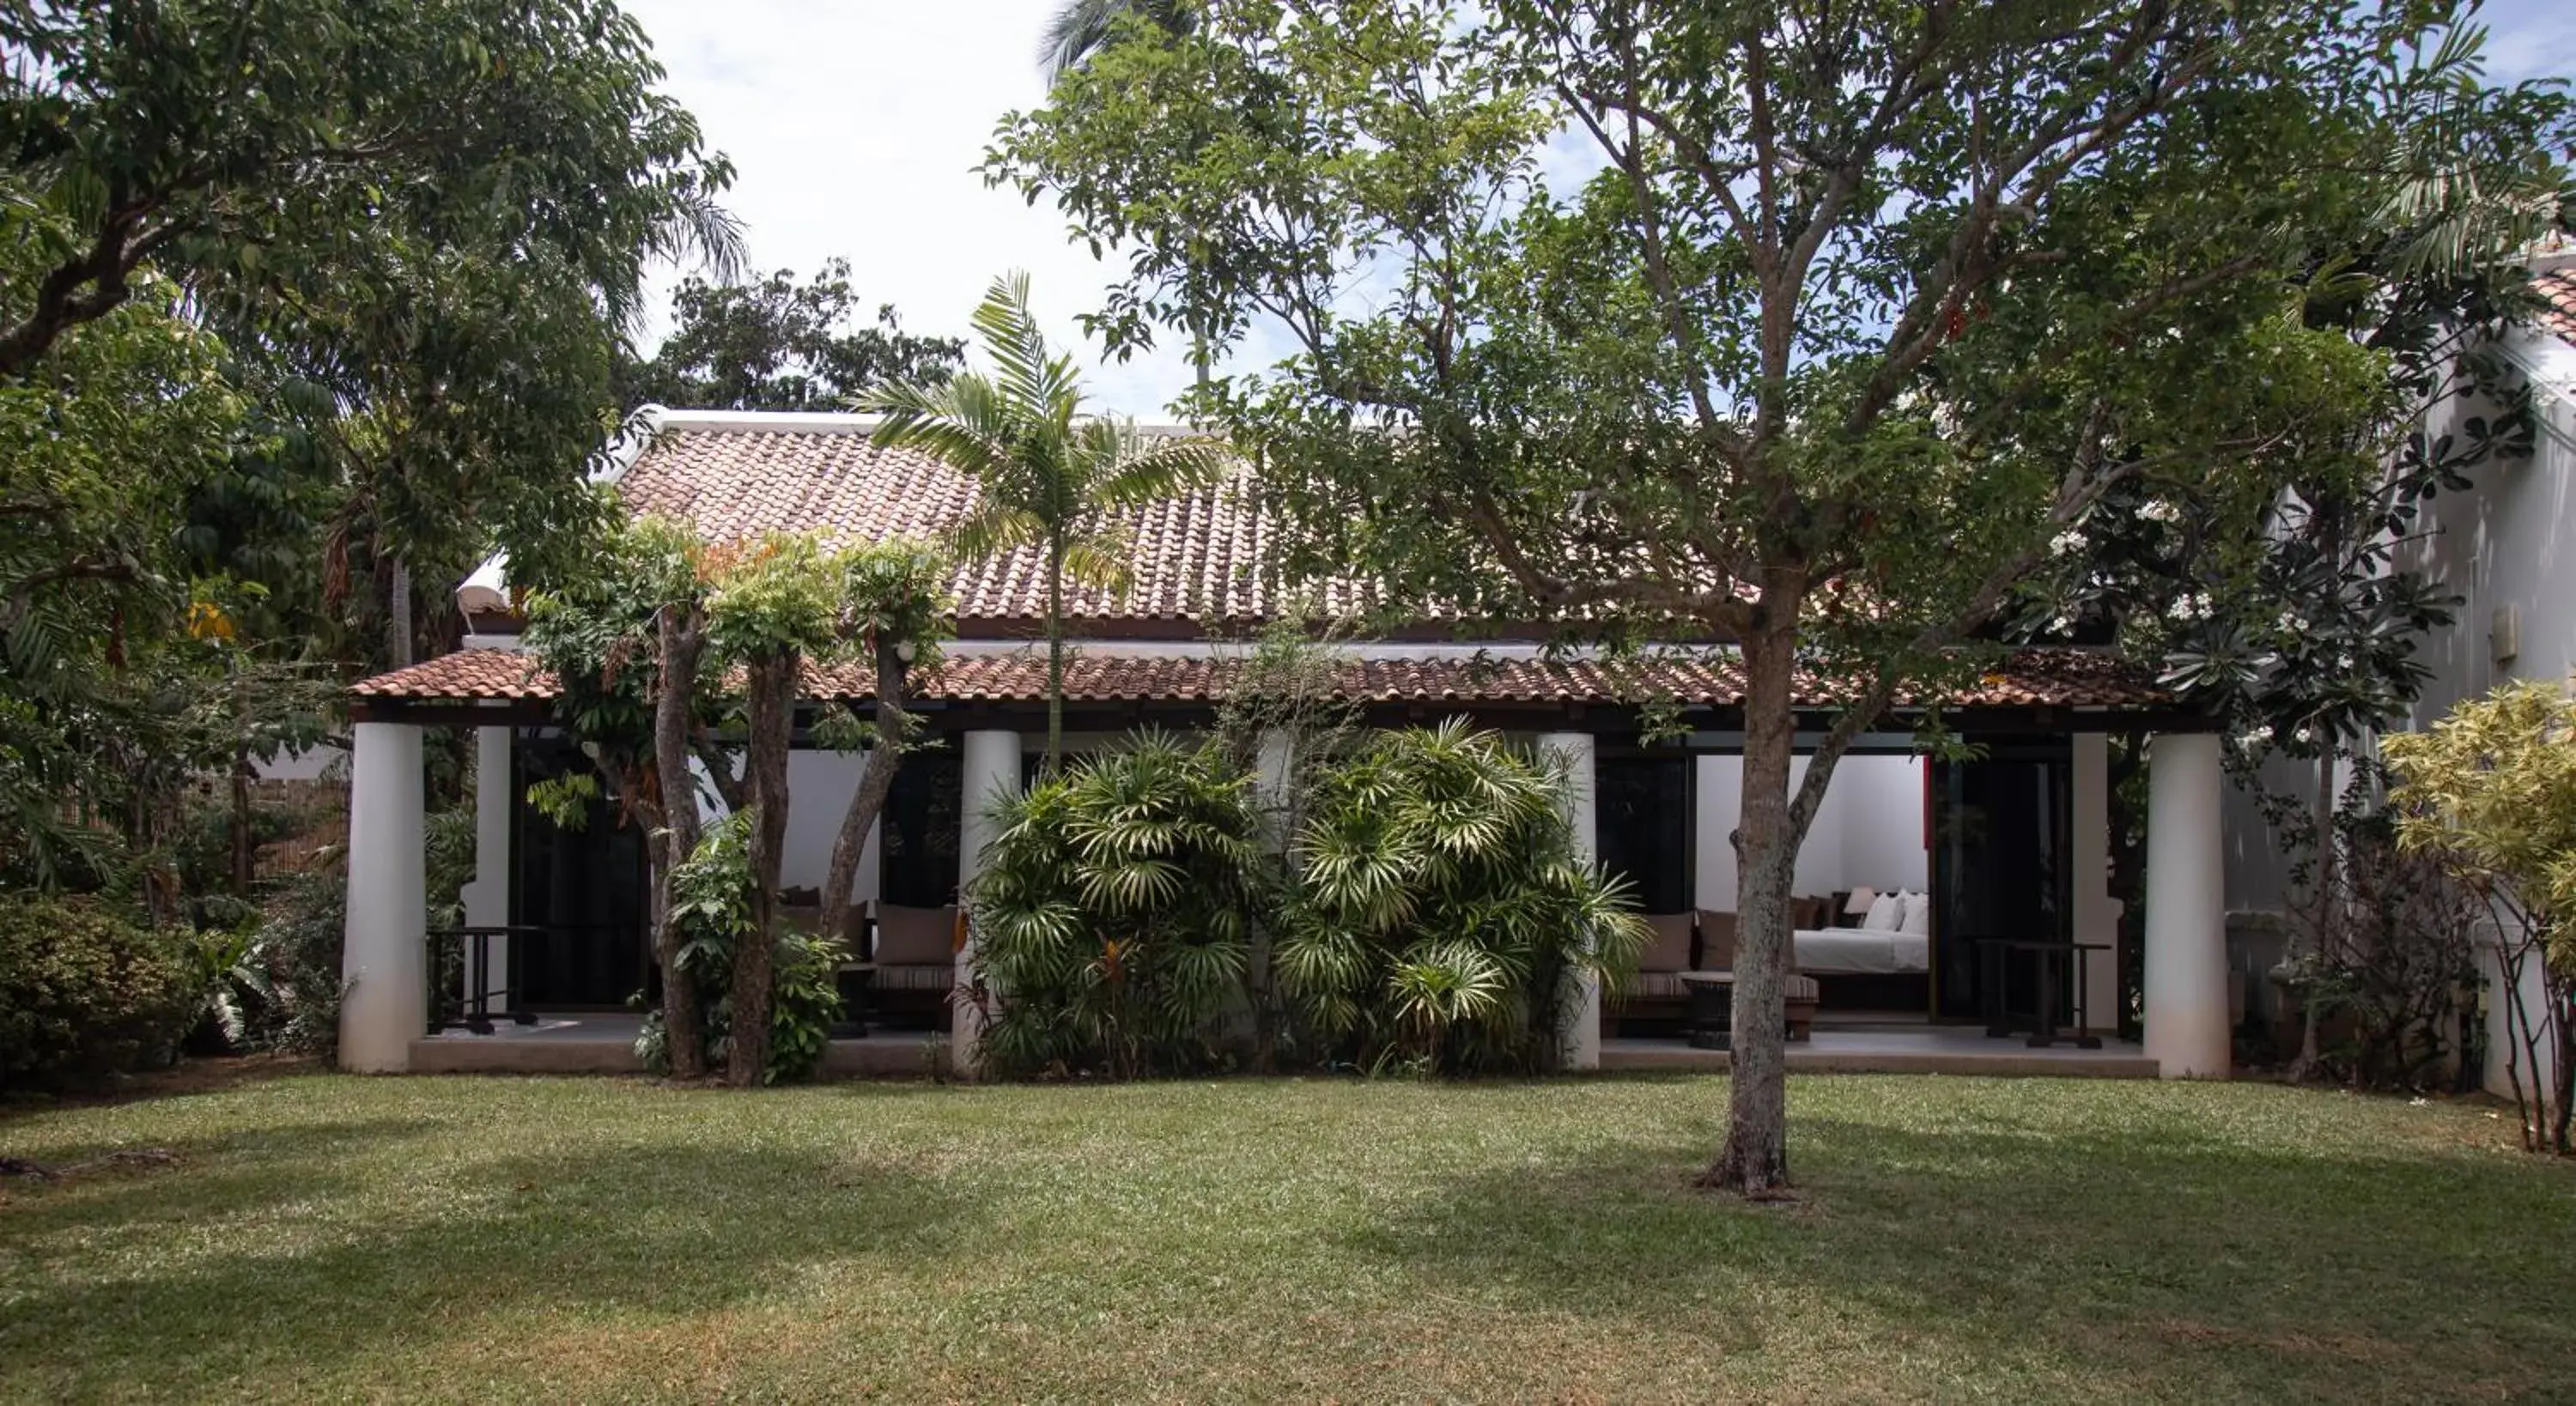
pixel 1964 1240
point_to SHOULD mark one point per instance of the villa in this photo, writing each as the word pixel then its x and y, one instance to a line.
pixel 1981 861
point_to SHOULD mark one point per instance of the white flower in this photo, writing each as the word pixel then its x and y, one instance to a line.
pixel 2158 510
pixel 2189 606
pixel 2066 543
pixel 2305 736
pixel 2062 624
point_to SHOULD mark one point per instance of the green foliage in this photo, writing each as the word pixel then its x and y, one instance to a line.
pixel 1115 910
pixel 408 238
pixel 281 990
pixel 1435 910
pixel 87 991
pixel 711 906
pixel 1045 472
pixel 779 345
pixel 774 597
pixel 2491 790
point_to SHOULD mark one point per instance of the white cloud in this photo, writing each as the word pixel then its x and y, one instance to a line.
pixel 855 126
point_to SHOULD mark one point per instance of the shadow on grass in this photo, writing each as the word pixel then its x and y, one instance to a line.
pixel 2161 1266
pixel 329 1269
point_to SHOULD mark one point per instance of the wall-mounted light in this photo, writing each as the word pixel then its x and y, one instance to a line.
pixel 906 650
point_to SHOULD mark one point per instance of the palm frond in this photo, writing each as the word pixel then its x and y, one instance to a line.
pixel 964 424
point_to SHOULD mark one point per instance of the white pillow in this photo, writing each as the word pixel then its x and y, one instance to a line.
pixel 1885 911
pixel 1917 920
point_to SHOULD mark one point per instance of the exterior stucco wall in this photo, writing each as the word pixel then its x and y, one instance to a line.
pixel 2509 543
pixel 1868 832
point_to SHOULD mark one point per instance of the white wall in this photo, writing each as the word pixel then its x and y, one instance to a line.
pixel 1868 832
pixel 819 787
pixel 2510 541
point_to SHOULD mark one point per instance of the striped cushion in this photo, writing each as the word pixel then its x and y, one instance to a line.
pixel 1658 986
pixel 915 978
pixel 1800 988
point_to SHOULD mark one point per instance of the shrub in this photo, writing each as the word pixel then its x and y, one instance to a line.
pixel 281 988
pixel 1435 910
pixel 711 904
pixel 86 992
pixel 1115 910
pixel 2489 792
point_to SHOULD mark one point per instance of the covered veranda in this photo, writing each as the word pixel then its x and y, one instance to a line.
pixel 987 706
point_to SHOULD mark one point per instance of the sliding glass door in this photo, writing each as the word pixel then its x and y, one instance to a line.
pixel 2000 836
pixel 1642 823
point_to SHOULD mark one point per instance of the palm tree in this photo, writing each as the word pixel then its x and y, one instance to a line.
pixel 1047 473
pixel 1081 28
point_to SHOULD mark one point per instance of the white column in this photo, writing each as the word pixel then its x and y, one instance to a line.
pixel 487 895
pixel 991 763
pixel 1717 794
pixel 1579 1040
pixel 2097 913
pixel 2186 957
pixel 1271 773
pixel 384 958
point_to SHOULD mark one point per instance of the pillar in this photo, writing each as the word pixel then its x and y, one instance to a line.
pixel 384 956
pixel 2097 913
pixel 1579 1037
pixel 487 895
pixel 1271 778
pixel 2186 956
pixel 991 763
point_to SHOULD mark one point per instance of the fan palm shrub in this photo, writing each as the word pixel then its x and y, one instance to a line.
pixel 1435 910
pixel 1115 909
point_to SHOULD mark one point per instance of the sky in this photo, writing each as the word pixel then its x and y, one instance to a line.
pixel 855 127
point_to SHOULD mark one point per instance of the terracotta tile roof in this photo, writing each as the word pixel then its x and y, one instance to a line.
pixel 1196 558
pixel 468 676
pixel 2066 678
pixel 2557 288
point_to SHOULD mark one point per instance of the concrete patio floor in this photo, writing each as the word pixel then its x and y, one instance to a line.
pixel 1893 1049
pixel 604 1043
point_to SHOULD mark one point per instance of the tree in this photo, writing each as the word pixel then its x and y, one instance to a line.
pixel 779 345
pixel 418 231
pixel 240 147
pixel 623 634
pixel 1045 472
pixel 649 638
pixel 2303 636
pixel 1080 28
pixel 2490 791
pixel 1842 317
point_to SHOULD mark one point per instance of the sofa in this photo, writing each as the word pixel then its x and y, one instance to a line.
pixel 914 951
pixel 1703 940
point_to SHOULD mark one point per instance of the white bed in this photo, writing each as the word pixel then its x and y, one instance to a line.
pixel 1861 952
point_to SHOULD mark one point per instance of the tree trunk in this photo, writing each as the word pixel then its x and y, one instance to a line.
pixel 398 630
pixel 674 714
pixel 1755 1158
pixel 1055 652
pixel 241 838
pixel 770 705
pixel 876 781
pixel 2320 905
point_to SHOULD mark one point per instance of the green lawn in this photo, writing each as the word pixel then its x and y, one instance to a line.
pixel 2037 1240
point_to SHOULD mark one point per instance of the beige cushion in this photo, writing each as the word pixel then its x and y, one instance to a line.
pixel 1716 941
pixel 1670 951
pixel 915 936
